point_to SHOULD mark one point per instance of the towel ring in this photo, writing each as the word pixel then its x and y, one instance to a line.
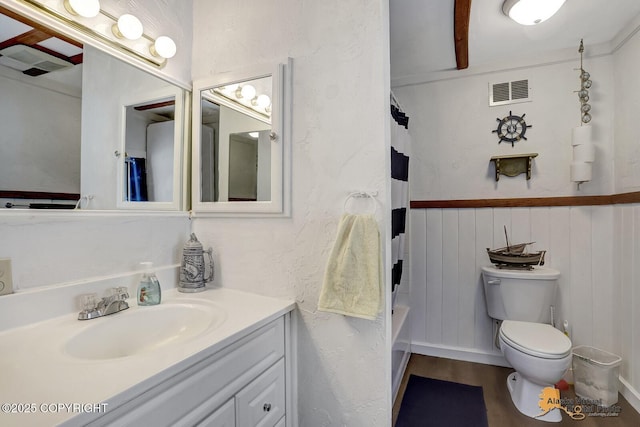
pixel 361 195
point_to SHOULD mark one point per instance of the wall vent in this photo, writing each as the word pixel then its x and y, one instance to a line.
pixel 31 61
pixel 509 92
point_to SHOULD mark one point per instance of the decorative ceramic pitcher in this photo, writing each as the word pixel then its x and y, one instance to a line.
pixel 192 269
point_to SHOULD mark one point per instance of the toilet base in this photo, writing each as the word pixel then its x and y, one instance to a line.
pixel 525 395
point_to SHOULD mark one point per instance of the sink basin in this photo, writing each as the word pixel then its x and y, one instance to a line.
pixel 140 330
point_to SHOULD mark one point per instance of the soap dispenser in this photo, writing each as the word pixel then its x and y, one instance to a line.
pixel 149 288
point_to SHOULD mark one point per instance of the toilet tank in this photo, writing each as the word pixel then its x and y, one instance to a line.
pixel 525 295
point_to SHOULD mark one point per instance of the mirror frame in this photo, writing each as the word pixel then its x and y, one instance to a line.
pixel 279 205
pixel 178 150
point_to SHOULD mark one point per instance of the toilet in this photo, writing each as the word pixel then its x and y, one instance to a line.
pixel 539 353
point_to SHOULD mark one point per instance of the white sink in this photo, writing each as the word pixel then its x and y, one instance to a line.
pixel 140 330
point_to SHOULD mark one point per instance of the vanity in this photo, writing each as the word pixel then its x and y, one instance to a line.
pixel 220 357
pixel 217 358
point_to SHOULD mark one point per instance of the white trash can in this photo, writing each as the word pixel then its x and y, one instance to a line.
pixel 595 374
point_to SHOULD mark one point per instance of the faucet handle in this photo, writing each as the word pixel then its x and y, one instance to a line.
pixel 89 307
pixel 89 301
pixel 122 292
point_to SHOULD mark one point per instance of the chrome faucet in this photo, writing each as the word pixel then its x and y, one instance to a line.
pixel 114 302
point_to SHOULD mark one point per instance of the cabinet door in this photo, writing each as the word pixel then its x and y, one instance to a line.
pixel 261 403
pixel 224 416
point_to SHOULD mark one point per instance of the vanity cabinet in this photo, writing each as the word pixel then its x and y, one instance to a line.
pixel 241 385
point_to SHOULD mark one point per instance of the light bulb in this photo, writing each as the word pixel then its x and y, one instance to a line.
pixel 586 84
pixel 128 26
pixel 584 75
pixel 84 8
pixel 585 108
pixel 531 12
pixel 254 135
pixel 583 94
pixel 586 118
pixel 248 92
pixel 261 101
pixel 163 47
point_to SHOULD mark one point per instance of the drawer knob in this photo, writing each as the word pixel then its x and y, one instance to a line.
pixel 267 407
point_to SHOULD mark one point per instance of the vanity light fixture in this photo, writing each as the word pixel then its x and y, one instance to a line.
pixel 247 96
pixel 262 101
pixel 84 8
pixel 128 27
pixel 123 33
pixel 247 92
pixel 531 12
pixel 164 47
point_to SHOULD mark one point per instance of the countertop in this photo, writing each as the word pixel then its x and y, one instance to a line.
pixel 39 377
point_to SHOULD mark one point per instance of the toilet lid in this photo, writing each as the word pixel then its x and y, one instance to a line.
pixel 536 339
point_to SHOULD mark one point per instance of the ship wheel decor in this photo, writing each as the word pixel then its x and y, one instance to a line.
pixel 511 129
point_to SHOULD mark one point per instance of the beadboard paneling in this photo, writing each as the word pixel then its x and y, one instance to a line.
pixel 595 248
pixel 454 241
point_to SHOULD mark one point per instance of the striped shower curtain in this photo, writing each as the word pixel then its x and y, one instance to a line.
pixel 400 151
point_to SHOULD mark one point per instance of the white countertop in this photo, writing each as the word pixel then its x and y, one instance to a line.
pixel 36 374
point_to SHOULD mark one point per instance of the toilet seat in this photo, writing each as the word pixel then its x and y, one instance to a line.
pixel 535 339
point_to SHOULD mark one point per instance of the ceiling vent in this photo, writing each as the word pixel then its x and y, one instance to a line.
pixel 509 92
pixel 31 61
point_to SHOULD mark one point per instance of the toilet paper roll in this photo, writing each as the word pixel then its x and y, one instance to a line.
pixel 584 153
pixel 581 135
pixel 580 172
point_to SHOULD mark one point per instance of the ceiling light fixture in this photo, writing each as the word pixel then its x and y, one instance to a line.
pixel 531 12
pixel 84 8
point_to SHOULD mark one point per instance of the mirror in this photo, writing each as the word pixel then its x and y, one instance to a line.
pixel 148 155
pixel 239 143
pixel 61 111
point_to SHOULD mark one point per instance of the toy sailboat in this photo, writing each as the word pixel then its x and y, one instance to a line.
pixel 514 256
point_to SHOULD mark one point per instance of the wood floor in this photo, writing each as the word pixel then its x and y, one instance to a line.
pixel 500 409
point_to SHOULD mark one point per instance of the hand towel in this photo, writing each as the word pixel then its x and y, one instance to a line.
pixel 353 278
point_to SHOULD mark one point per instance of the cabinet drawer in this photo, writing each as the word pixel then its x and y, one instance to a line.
pixel 262 402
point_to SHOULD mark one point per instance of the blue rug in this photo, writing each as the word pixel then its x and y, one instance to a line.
pixel 428 402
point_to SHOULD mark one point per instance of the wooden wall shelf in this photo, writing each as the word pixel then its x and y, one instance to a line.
pixel 513 164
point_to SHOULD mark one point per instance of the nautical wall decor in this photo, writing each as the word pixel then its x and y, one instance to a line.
pixel 511 128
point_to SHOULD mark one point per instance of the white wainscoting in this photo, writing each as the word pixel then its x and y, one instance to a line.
pixel 626 264
pixel 595 248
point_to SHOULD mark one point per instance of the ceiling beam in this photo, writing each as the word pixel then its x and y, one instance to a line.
pixel 462 13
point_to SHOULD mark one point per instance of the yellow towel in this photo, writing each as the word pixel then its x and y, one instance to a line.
pixel 353 278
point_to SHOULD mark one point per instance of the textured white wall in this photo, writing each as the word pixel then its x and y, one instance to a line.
pixel 451 124
pixel 49 251
pixel 340 144
pixel 40 135
pixel 627 109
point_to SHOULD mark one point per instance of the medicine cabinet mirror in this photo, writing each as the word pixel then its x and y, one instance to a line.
pixel 62 119
pixel 149 155
pixel 240 143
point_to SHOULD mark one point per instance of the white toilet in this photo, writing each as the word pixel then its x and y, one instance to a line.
pixel 538 352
